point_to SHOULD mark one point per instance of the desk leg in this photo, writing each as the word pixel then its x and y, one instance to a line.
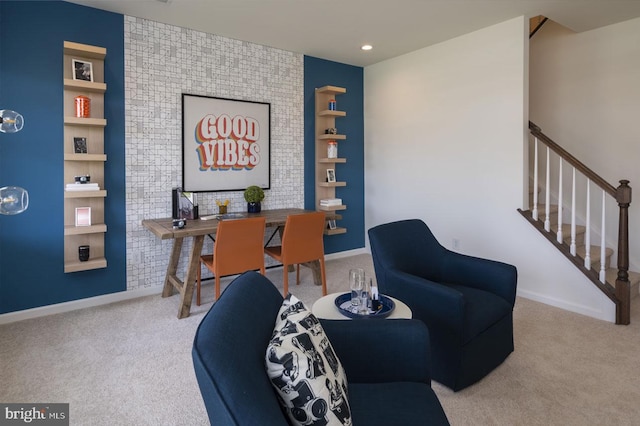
pixel 189 281
pixel 167 290
pixel 314 265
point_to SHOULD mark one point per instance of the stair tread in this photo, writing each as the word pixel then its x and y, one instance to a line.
pixel 611 275
pixel 594 252
pixel 566 229
pixel 553 208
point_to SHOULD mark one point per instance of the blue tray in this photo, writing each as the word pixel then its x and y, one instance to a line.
pixel 343 303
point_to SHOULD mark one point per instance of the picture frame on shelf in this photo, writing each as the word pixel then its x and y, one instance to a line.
pixel 83 216
pixel 332 224
pixel 331 175
pixel 82 70
pixel 80 145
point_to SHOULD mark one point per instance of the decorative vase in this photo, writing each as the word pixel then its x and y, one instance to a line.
pixel 254 207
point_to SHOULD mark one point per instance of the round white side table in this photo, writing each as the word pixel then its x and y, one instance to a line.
pixel 326 308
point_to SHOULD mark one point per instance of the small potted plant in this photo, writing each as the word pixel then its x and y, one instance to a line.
pixel 253 195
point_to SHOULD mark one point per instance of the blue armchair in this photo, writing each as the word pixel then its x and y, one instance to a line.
pixel 466 302
pixel 388 380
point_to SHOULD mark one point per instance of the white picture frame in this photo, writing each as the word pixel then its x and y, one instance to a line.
pixel 83 216
pixel 82 70
pixel 331 175
pixel 332 224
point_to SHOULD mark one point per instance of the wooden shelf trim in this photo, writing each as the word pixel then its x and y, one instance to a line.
pixel 332 160
pixel 84 50
pixel 331 184
pixel 85 194
pixel 325 136
pixel 332 208
pixel 331 90
pixel 87 86
pixel 85 157
pixel 76 121
pixel 332 113
pixel 335 231
pixel 81 230
pixel 78 266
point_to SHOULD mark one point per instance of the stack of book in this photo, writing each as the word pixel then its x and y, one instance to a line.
pixel 82 187
pixel 329 202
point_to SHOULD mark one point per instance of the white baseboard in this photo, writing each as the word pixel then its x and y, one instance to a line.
pixel 568 306
pixel 115 297
pixel 73 305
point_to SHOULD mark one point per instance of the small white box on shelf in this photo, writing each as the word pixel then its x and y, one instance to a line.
pixel 83 216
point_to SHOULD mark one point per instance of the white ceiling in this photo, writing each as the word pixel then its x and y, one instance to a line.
pixel 335 29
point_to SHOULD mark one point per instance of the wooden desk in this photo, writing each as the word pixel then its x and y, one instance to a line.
pixel 198 229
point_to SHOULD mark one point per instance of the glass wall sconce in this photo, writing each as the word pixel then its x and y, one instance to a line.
pixel 10 121
pixel 13 200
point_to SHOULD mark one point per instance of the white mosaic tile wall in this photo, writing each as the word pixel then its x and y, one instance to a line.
pixel 161 63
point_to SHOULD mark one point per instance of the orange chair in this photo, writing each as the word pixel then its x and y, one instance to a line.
pixel 238 248
pixel 302 241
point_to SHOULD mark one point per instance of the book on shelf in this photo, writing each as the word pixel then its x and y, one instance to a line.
pixel 82 187
pixel 331 202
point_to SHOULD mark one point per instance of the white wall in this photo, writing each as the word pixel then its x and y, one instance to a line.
pixel 445 131
pixel 585 96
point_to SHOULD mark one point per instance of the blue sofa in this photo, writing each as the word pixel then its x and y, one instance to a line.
pixel 466 302
pixel 384 361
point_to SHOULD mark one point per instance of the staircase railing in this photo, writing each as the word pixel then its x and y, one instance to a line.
pixel 620 293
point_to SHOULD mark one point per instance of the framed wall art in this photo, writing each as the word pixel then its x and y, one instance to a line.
pixel 226 144
pixel 80 145
pixel 82 70
pixel 331 175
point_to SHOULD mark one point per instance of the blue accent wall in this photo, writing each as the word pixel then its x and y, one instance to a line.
pixel 32 243
pixel 318 73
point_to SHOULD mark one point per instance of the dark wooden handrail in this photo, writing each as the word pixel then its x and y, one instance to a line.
pixel 590 174
pixel 622 195
pixel 538 26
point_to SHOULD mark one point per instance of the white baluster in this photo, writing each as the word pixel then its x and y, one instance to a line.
pixel 572 247
pixel 534 212
pixel 603 249
pixel 547 221
pixel 587 233
pixel 559 234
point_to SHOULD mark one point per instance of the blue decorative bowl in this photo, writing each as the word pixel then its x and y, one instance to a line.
pixel 343 303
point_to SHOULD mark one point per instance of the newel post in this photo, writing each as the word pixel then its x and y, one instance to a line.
pixel 623 288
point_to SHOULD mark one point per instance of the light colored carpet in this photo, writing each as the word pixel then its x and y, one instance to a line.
pixel 130 363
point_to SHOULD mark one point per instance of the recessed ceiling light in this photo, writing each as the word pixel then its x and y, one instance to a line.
pixel 367 47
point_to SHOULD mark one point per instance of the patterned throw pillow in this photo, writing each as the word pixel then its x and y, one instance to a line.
pixel 304 369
